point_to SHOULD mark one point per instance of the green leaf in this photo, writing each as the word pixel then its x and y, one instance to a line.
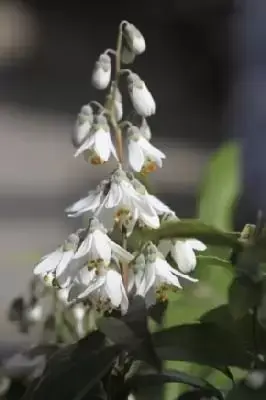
pixel 242 392
pixel 198 343
pixel 190 228
pixel 171 376
pixel 221 187
pixel 74 370
pixel 243 295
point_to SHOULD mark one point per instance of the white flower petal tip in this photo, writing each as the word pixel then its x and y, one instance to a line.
pixel 135 39
pixel 141 98
pixel 102 72
pixel 143 156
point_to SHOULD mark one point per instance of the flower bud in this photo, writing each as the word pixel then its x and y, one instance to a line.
pixel 83 125
pixel 135 39
pixel 102 72
pixel 141 97
pixel 118 105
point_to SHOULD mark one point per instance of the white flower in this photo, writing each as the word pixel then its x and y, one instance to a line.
pixel 143 156
pixel 95 251
pixel 83 125
pixel 157 275
pixel 124 206
pixel 90 202
pixel 135 39
pixel 145 129
pixel 98 144
pixel 154 202
pixel 141 97
pixel 182 251
pixel 102 72
pixel 103 287
pixel 51 264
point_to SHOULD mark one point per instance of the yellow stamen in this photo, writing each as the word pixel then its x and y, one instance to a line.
pixel 149 166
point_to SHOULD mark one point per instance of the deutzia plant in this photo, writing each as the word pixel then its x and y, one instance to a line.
pixel 135 286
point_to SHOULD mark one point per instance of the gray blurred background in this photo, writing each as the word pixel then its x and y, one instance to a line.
pixel 47 52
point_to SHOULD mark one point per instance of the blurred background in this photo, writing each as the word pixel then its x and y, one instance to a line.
pixel 47 52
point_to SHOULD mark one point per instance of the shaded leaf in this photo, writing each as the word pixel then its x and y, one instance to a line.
pixel 157 312
pixel 74 370
pixel 243 295
pixel 191 228
pixel 198 343
pixel 171 376
pixel 131 332
pixel 242 328
pixel 221 187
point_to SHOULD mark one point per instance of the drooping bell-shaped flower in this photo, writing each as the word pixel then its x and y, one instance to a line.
pixel 145 129
pixel 98 145
pixel 157 276
pixel 143 156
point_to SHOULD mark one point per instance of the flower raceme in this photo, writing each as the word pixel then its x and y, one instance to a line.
pixel 90 267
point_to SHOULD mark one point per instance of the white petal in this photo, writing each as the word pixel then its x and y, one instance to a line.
pixel 163 270
pixel 113 286
pixel 185 276
pixel 93 285
pixel 91 202
pixel 65 260
pixel 48 263
pixel 84 248
pixel 135 155
pixel 102 245
pixel 114 196
pixel 184 256
pixel 164 246
pixel 150 275
pixel 146 213
pixel 140 282
pixel 85 146
pixel 196 244
pixel 122 254
pixel 67 275
pixel 158 205
pixel 150 149
pixel 102 144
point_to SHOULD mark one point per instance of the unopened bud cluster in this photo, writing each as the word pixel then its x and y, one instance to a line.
pixel 91 266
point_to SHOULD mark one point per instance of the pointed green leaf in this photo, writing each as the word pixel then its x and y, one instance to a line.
pixel 221 187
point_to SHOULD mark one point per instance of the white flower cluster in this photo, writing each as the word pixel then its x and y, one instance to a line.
pixel 90 265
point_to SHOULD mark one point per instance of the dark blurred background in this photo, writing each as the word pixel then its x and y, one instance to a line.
pixel 47 52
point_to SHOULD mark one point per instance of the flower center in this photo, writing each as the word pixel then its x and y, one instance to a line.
pixel 161 295
pixel 93 158
pixel 50 280
pixel 123 216
pixel 149 166
pixel 96 263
